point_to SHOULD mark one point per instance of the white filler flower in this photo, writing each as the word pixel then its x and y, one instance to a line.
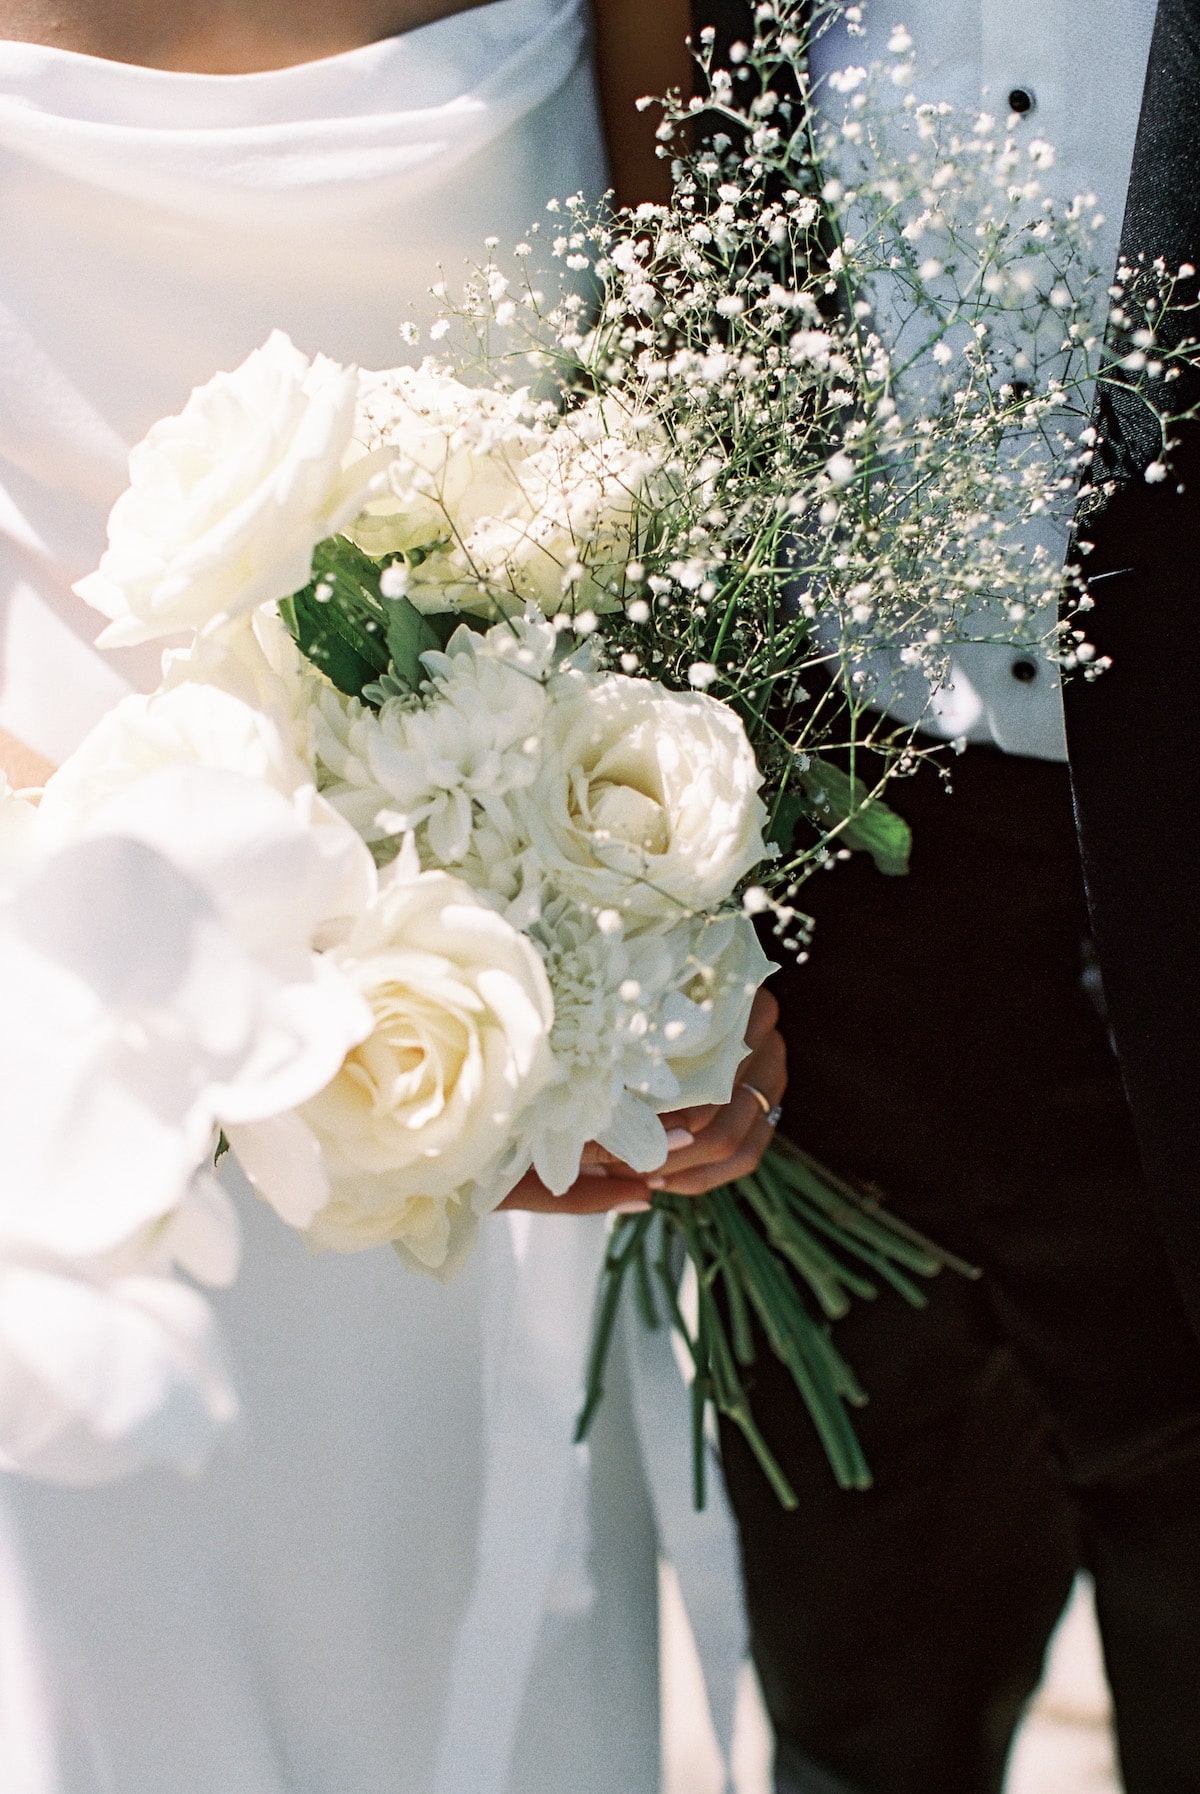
pixel 227 501
pixel 646 799
pixel 405 1142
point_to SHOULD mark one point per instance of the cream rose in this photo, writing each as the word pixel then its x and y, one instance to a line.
pixel 456 453
pixel 524 512
pixel 565 540
pixel 405 1144
pixel 646 800
pixel 227 501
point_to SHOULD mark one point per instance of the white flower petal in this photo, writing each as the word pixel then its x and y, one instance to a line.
pixel 96 1379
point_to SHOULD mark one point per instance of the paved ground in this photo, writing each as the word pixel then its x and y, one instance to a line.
pixel 1063 1748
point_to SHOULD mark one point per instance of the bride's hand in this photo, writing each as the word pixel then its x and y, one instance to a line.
pixel 722 1143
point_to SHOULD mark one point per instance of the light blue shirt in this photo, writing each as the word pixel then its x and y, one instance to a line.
pixel 1082 69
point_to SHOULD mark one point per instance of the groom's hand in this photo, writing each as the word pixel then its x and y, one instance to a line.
pixel 710 1146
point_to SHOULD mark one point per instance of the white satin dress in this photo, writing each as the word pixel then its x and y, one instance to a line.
pixel 398 1576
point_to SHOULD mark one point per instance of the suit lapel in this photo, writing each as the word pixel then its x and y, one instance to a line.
pixel 1135 758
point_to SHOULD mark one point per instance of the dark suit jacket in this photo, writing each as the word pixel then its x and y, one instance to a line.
pixel 1134 734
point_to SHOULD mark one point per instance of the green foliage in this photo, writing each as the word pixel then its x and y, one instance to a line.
pixel 778 1256
pixel 836 800
pixel 345 625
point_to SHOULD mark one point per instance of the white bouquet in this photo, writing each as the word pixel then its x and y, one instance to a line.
pixel 574 686
pixel 549 940
pixel 542 914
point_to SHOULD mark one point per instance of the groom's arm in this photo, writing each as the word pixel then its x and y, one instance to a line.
pixel 641 48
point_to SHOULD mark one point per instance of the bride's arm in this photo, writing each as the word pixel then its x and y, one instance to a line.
pixel 20 765
pixel 641 48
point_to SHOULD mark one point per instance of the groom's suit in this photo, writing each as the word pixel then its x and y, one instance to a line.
pixel 1136 779
pixel 951 1041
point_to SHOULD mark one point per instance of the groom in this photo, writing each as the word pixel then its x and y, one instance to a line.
pixel 1007 1045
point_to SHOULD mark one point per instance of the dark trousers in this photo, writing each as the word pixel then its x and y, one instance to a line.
pixel 947 1045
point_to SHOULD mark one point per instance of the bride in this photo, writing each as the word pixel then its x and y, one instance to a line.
pixel 397 1577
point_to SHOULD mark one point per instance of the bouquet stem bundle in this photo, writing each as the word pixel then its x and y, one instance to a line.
pixel 749 1243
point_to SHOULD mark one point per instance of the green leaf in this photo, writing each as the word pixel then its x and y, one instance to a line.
pixel 790 806
pixel 408 635
pixel 337 620
pixel 342 622
pixel 831 797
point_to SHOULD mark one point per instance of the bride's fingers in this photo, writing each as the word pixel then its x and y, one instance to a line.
pixel 741 1162
pixel 764 1016
pixel 766 1072
pixel 709 1145
pixel 590 1194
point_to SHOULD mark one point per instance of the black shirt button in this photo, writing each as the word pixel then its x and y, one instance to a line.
pixel 1021 100
pixel 1024 670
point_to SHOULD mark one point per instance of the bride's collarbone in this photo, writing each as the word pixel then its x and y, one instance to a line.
pixel 230 37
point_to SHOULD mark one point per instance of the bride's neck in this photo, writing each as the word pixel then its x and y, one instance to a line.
pixel 216 37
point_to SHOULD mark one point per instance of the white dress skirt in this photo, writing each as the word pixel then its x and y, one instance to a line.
pixel 397 1576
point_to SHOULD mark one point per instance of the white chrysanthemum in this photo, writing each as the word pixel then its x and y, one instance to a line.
pixel 227 501
pixel 405 1143
pixel 446 765
pixel 646 799
pixel 475 743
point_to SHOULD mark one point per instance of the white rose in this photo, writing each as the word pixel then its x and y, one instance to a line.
pixel 256 659
pixel 197 725
pixel 646 799
pixel 227 501
pixel 455 456
pixel 558 529
pixel 202 726
pixel 405 1143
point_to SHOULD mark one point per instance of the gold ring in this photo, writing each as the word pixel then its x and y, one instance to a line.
pixel 772 1111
